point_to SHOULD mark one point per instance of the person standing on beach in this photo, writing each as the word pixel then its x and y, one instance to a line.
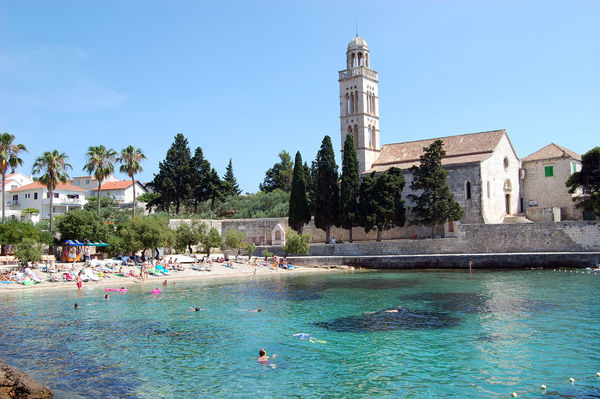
pixel 78 281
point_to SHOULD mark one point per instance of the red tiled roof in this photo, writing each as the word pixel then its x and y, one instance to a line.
pixel 461 149
pixel 36 186
pixel 552 151
pixel 115 185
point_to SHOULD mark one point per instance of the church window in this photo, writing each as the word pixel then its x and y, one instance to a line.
pixel 367 60
pixel 468 190
pixel 505 163
pixel 370 137
pixel 489 194
pixel 549 170
pixel 351 103
pixel 374 136
pixel 353 61
pixel 360 59
pixel 356 136
pixel 347 104
pixel 507 185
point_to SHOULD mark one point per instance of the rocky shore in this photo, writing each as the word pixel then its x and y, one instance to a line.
pixel 15 383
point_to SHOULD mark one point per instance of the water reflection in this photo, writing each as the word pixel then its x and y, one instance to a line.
pixel 468 302
pixel 384 321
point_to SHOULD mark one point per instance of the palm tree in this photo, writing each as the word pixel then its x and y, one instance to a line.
pixel 9 156
pixel 54 167
pixel 130 163
pixel 100 163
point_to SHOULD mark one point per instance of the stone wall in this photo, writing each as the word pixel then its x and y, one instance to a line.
pixel 454 261
pixel 478 238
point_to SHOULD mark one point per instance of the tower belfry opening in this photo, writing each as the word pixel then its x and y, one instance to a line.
pixel 359 103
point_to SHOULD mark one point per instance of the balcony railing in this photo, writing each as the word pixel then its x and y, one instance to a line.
pixel 358 71
pixel 64 201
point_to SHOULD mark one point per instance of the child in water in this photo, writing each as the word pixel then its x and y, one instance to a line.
pixel 264 359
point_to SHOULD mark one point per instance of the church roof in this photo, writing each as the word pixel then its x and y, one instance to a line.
pixel 552 151
pixel 461 149
pixel 358 42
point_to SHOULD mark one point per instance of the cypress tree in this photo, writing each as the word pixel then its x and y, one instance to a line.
pixel 350 186
pixel 381 201
pixel 230 184
pixel 199 170
pixel 326 190
pixel 299 211
pixel 174 178
pixel 435 205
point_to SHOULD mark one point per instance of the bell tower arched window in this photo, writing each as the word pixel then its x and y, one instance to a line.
pixel 468 190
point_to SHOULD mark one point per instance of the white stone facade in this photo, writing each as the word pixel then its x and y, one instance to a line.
pixel 359 103
pixel 500 190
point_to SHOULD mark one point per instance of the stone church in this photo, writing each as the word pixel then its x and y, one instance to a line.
pixel 483 168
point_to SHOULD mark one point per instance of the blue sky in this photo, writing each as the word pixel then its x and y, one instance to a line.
pixel 246 79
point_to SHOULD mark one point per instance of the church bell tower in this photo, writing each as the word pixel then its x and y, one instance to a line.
pixel 359 103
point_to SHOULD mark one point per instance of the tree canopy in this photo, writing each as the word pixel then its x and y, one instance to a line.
pixel 349 216
pixel 280 175
pixel 435 203
pixel 381 201
pixel 230 184
pixel 174 179
pixel 9 157
pixel 326 190
pixel 299 211
pixel 82 225
pixel 588 180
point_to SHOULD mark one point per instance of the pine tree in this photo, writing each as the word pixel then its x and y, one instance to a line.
pixel 326 190
pixel 435 205
pixel 174 178
pixel 299 211
pixel 588 180
pixel 381 201
pixel 280 175
pixel 350 186
pixel 200 167
pixel 230 185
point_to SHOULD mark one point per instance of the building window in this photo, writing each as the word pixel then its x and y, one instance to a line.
pixel 506 163
pixel 574 167
pixel 488 190
pixel 35 196
pixel 468 190
pixel 549 171
pixel 87 181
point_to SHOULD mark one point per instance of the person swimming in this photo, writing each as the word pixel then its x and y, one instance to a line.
pixel 106 297
pixel 264 359
pixel 251 310
pixel 398 310
pixel 196 309
pixel 309 337
pixel 76 306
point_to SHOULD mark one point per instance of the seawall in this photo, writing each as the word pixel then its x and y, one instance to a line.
pixel 457 261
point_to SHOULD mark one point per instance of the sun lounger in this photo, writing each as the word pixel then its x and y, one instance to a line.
pixel 67 276
pixel 161 269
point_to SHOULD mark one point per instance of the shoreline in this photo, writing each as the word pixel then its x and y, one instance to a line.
pixel 218 272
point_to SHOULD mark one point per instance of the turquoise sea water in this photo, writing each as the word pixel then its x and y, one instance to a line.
pixel 482 335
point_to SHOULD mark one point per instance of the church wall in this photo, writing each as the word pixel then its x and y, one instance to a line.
pixel 457 183
pixel 493 171
pixel 541 193
pixel 480 239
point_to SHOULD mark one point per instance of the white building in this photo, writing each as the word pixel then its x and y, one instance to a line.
pixel 90 183
pixel 35 195
pixel 483 168
pixel 121 191
pixel 12 181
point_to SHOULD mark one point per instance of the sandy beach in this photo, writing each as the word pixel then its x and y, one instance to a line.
pixel 218 271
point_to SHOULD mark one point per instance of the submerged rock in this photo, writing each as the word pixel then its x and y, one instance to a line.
pixel 15 383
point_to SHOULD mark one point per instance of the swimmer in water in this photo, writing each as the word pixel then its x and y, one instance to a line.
pixel 251 310
pixel 76 306
pixel 196 309
pixel 264 359
pixel 399 310
pixel 309 337
pixel 164 283
pixel 106 297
